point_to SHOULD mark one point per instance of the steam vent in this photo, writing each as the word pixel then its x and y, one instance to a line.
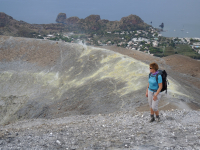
pixel 48 80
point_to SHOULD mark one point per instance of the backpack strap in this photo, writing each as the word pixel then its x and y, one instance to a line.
pixel 154 76
pixel 157 77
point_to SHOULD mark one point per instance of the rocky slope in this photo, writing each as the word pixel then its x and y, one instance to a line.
pixel 45 79
pixel 10 26
pixel 178 129
pixel 60 95
pixel 183 69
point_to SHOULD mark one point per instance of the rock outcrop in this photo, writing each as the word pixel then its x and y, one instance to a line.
pixel 61 18
pixel 92 18
pixel 4 19
pixel 94 23
pixel 72 21
pixel 130 22
pixel 89 24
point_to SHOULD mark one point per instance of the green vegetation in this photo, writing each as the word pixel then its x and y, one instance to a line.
pixel 60 37
pixel 187 51
pixel 25 32
pixel 54 39
pixel 193 40
pixel 183 49
pixel 169 51
pixel 40 37
pixel 156 51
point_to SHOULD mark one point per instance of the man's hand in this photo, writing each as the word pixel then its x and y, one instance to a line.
pixel 146 94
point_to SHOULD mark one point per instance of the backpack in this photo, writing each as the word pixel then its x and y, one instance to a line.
pixel 163 74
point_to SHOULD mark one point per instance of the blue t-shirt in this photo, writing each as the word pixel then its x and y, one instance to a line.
pixel 153 84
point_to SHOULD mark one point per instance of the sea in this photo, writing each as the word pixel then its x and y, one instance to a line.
pixel 180 17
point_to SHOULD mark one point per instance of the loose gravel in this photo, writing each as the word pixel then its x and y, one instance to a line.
pixel 178 129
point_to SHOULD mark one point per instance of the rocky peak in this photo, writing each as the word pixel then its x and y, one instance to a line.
pixel 131 19
pixel 72 20
pixel 129 22
pixel 61 18
pixel 4 19
pixel 92 18
pixel 95 23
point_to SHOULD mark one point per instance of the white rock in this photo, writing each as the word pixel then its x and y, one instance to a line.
pixel 58 142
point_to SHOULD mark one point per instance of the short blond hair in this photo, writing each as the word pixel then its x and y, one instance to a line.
pixel 154 66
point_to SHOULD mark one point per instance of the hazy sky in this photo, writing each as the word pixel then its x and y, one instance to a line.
pixel 45 11
pixel 177 12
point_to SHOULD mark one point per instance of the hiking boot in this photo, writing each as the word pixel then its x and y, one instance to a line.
pixel 157 119
pixel 152 119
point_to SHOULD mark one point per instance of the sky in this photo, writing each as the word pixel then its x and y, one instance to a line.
pixel 174 13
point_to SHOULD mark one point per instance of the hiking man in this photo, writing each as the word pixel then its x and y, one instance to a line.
pixel 154 88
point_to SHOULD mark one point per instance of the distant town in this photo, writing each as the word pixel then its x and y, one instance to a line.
pixel 130 32
pixel 149 41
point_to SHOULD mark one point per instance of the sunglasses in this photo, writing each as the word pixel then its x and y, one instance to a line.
pixel 150 68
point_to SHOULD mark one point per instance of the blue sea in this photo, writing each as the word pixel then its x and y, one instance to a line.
pixel 180 17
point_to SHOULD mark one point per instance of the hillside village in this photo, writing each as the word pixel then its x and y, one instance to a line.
pixel 130 32
pixel 150 41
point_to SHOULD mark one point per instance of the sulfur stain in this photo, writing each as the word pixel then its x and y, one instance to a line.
pixel 112 66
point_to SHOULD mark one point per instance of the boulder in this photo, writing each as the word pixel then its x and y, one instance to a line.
pixel 61 18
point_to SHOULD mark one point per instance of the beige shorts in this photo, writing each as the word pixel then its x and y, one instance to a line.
pixel 153 104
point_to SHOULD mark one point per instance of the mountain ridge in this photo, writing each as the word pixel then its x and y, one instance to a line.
pixel 93 23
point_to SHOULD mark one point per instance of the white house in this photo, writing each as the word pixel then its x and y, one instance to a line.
pixel 49 35
pixel 155 44
pixel 123 32
pixel 140 39
pixel 130 43
pixel 196 44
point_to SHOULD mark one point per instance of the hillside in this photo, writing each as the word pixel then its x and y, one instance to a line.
pixel 182 68
pixel 57 95
pixel 92 23
pixel 12 27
